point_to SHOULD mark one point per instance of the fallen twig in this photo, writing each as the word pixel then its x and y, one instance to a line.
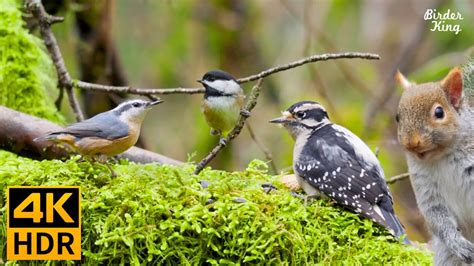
pixel 251 102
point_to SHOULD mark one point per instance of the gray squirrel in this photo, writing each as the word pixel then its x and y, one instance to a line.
pixel 435 127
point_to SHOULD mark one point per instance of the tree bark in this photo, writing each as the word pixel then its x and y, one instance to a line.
pixel 17 131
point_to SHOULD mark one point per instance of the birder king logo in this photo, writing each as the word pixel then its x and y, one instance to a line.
pixel 43 223
pixel 444 21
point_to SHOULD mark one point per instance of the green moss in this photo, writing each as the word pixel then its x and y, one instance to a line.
pixel 26 71
pixel 158 214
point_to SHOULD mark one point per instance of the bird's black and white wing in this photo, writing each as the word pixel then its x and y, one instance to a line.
pixel 341 166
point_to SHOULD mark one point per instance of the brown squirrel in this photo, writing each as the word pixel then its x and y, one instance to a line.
pixel 435 127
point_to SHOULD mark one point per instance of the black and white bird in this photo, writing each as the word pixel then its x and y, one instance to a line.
pixel 331 161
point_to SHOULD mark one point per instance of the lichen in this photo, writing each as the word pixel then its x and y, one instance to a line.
pixel 161 214
pixel 26 71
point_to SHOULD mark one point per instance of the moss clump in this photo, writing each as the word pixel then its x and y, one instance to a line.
pixel 162 215
pixel 26 71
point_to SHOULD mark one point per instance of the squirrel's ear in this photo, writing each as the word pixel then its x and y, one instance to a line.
pixel 402 81
pixel 452 85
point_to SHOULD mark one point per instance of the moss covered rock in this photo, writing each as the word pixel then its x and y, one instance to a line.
pixel 26 71
pixel 163 215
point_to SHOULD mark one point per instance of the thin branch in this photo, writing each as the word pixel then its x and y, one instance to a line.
pixel 131 90
pixel 251 102
pixel 160 91
pixel 398 178
pixel 262 147
pixel 314 58
pixel 64 79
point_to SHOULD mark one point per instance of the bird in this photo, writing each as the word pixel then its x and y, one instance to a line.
pixel 330 161
pixel 106 134
pixel 222 102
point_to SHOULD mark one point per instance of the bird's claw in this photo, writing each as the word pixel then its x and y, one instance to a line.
pixel 215 132
pixel 245 113
pixel 223 141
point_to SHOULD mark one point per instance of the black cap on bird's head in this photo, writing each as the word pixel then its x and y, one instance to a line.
pixel 219 83
pixel 213 75
pixel 303 115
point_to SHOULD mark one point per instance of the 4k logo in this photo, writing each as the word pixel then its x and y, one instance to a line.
pixel 44 223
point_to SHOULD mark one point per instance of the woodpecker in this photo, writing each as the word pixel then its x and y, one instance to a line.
pixel 222 102
pixel 330 161
pixel 106 134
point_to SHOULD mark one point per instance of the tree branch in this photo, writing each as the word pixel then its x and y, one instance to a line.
pixel 19 129
pixel 64 79
pixel 311 59
pixel 160 91
pixel 397 178
pixel 131 90
pixel 251 102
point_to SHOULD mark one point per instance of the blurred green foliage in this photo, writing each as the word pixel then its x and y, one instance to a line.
pixel 161 215
pixel 27 75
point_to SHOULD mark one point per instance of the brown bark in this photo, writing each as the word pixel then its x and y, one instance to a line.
pixel 17 131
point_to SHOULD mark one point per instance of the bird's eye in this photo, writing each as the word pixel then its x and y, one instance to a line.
pixel 397 118
pixel 439 112
pixel 300 114
pixel 136 105
pixel 211 79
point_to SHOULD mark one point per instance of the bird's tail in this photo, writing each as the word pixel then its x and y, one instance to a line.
pixel 55 136
pixel 395 225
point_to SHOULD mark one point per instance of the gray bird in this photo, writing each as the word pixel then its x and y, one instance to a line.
pixel 109 133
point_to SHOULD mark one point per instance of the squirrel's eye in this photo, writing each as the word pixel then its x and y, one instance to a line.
pixel 439 112
pixel 136 105
pixel 397 118
pixel 300 114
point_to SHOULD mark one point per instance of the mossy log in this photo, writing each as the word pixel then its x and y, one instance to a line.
pixel 161 214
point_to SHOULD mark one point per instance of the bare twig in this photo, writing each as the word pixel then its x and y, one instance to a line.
pixel 251 102
pixel 148 91
pixel 397 178
pixel 313 58
pixel 139 91
pixel 64 79
pixel 262 147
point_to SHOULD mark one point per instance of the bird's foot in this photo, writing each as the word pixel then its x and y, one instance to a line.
pixel 223 141
pixel 309 198
pixel 112 172
pixel 244 112
pixel 215 132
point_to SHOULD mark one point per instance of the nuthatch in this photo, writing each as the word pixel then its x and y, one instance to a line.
pixel 331 161
pixel 109 133
pixel 222 103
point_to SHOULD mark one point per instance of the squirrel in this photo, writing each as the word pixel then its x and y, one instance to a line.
pixel 435 127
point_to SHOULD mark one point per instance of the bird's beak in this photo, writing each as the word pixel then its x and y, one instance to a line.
pixel 286 117
pixel 151 104
pixel 200 81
